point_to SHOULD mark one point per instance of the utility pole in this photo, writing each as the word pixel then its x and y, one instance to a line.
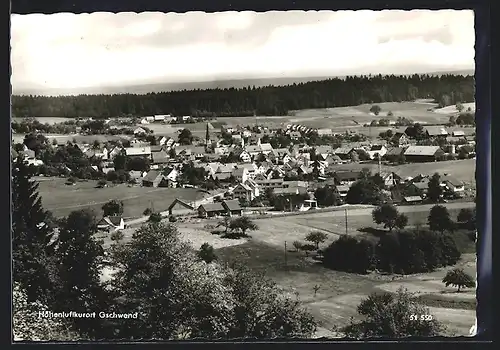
pixel 285 255
pixel 345 220
pixel 379 164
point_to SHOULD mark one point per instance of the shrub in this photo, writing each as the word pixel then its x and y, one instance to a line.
pixel 206 253
pixel 172 218
pixel 457 277
pixel 117 236
pixel 147 212
pixel 349 255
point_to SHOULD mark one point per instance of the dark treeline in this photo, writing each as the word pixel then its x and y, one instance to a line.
pixel 270 100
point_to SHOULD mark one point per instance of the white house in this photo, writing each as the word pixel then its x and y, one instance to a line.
pixel 138 151
pixel 114 152
pixel 381 150
pixel 139 130
pixel 111 223
pixel 452 184
pixel 159 118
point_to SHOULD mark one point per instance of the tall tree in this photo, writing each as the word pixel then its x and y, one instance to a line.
pixel 439 219
pixel 112 208
pixel 31 236
pixel 79 256
pixel 185 137
pixel 207 136
pixel 435 190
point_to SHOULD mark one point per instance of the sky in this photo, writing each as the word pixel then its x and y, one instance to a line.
pixel 104 49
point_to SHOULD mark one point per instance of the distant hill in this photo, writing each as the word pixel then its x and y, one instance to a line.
pixel 202 85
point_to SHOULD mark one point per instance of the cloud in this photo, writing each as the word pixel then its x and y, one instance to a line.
pixel 68 50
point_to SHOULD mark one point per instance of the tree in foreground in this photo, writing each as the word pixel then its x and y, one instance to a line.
pixel 316 237
pixel 179 296
pixel 241 225
pixel 388 215
pixel 79 256
pixel 155 218
pixel 393 316
pixel 206 253
pixel 33 266
pixel 459 278
pixel 113 208
pixel 439 219
pixel 27 325
pixel 349 255
pixel 467 217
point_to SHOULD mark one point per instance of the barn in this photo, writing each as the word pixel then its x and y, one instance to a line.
pixel 180 208
pixel 420 154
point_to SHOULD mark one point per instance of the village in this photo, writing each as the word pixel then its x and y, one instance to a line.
pixel 239 169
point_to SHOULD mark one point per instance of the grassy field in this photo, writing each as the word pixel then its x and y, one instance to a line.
pixel 340 293
pixel 340 119
pixel 62 199
pixel 79 138
pixel 463 170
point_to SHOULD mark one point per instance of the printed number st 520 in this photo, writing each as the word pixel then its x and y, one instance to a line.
pixel 421 317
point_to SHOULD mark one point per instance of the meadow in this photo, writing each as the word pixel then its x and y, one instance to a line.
pixel 339 293
pixel 62 199
pixel 341 119
pixel 463 170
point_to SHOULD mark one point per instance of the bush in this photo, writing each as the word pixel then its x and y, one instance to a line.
pixel 349 255
pixel 172 218
pixel 147 212
pixel 155 217
pixel 416 251
pixel 457 277
pixel 206 253
pixel 117 236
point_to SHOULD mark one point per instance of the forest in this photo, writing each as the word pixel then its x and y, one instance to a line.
pixel 265 101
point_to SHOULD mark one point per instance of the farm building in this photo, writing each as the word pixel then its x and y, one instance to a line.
pixel 435 131
pixel 229 208
pixel 452 184
pixel 390 178
pixel 412 200
pixel 400 139
pixel 152 179
pixel 343 152
pixel 458 133
pixel 423 153
pixel 111 223
pixel 180 207
pixel 138 151
pixel 377 150
pixel 211 210
pixel 394 154
pixel 232 207
pixel 346 177
pixel 160 158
